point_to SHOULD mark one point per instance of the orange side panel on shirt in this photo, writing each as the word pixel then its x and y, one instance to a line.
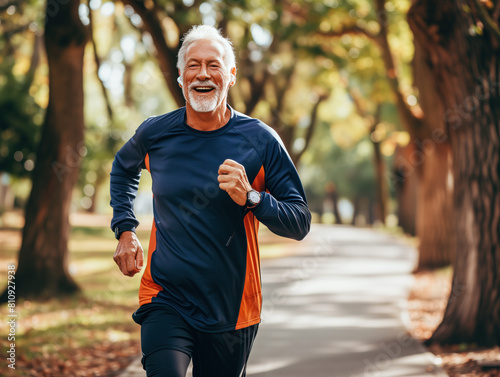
pixel 149 288
pixel 251 301
pixel 146 162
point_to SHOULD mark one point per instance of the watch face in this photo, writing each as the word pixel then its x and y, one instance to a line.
pixel 254 197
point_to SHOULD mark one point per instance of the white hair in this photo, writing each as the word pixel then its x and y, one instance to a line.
pixel 206 32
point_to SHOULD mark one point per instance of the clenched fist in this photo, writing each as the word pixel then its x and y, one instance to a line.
pixel 233 179
pixel 129 255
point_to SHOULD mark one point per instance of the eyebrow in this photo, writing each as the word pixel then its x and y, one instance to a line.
pixel 210 60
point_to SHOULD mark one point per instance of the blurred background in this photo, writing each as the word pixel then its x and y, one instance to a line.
pixel 357 89
pixel 305 69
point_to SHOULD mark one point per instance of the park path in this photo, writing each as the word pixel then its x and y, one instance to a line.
pixel 335 307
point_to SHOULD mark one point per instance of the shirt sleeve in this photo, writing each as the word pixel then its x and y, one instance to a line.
pixel 283 207
pixel 124 180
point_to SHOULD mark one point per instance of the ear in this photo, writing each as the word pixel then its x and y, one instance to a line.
pixel 233 76
pixel 179 79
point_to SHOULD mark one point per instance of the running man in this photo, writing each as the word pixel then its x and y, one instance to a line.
pixel 216 174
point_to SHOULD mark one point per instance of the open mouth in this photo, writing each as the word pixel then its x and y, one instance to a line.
pixel 204 89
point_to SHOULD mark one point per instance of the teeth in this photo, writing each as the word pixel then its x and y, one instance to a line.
pixel 203 88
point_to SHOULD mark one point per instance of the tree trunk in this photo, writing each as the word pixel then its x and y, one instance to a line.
pixel 432 160
pixel 333 197
pixel 355 211
pixel 371 211
pixel 462 39
pixel 434 208
pixel 381 187
pixel 101 179
pixel 405 183
pixel 43 259
pixel 336 212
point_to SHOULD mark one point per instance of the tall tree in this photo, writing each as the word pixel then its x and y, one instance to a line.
pixel 43 269
pixel 429 160
pixel 460 42
pixel 429 163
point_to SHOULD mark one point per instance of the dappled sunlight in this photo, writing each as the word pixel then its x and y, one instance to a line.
pixel 90 266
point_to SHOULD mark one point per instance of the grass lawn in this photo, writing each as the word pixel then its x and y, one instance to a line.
pixel 92 333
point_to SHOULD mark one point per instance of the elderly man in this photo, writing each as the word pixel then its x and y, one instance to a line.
pixel 216 174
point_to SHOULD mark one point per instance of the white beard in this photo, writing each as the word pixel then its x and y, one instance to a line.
pixel 201 104
pixel 204 105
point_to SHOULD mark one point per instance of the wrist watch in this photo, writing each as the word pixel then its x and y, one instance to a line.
pixel 118 231
pixel 253 198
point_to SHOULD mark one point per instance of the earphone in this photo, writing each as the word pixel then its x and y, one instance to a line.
pixel 179 80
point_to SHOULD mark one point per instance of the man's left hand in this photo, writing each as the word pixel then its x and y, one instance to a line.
pixel 233 179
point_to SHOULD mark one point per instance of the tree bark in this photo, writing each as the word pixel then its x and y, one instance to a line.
pixel 464 63
pixel 43 258
pixel 432 160
pixel 435 205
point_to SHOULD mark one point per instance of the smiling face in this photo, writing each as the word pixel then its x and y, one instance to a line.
pixel 206 78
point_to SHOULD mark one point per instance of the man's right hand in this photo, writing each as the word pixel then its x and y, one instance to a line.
pixel 129 255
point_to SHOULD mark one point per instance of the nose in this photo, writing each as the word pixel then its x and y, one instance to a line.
pixel 203 73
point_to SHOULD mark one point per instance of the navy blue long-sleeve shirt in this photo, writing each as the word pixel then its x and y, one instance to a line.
pixel 203 257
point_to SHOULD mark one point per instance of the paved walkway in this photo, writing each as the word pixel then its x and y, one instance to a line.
pixel 336 308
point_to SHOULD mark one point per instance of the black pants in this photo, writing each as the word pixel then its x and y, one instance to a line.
pixel 169 343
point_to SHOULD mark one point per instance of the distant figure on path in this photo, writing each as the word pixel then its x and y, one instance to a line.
pixel 216 173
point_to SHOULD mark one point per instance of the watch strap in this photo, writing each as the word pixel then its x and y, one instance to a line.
pixel 123 228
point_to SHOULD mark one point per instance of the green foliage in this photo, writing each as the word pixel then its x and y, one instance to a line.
pixel 20 116
pixel 20 121
pixel 279 39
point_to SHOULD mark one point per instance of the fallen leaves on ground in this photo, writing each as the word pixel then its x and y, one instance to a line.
pixel 106 359
pixel 426 305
